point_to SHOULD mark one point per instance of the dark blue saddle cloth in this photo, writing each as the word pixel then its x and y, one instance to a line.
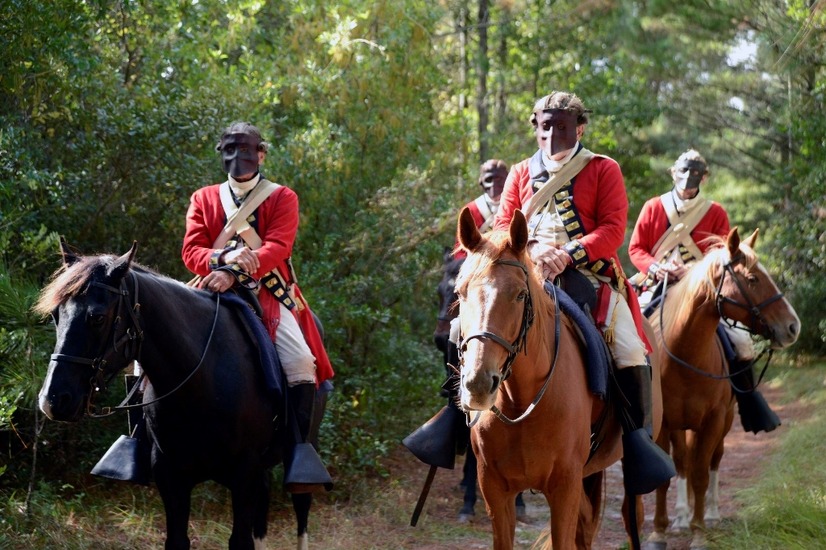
pixel 269 358
pixel 597 356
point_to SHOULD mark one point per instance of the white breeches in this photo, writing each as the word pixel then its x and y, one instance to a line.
pixel 741 342
pixel 297 361
pixel 627 347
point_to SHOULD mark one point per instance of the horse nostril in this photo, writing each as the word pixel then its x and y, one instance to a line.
pixel 495 382
pixel 794 329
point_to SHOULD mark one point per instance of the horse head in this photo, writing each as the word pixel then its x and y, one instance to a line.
pixel 96 330
pixel 495 288
pixel 747 294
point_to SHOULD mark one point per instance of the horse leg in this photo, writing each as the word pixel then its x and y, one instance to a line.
pixel 712 514
pixel 564 493
pixel 261 515
pixel 658 538
pixel 700 450
pixel 301 507
pixel 176 497
pixel 250 502
pixel 469 471
pixel 681 508
pixel 590 505
pixel 500 508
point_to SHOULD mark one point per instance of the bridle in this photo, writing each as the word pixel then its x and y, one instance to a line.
pixel 753 309
pixel 720 300
pixel 519 344
pixel 128 345
pixel 521 340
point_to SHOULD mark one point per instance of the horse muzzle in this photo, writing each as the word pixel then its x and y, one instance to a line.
pixel 60 404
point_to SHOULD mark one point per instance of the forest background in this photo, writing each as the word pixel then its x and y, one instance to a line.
pixel 379 114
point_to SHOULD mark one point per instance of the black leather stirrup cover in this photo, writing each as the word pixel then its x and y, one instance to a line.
pixel 126 460
pixel 306 471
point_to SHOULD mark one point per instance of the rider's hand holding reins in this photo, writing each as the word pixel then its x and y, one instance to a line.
pixel 217 281
pixel 550 259
pixel 246 259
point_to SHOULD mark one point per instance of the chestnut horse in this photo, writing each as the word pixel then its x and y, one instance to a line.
pixel 521 358
pixel 729 283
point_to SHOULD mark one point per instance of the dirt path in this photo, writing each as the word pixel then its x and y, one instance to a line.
pixel 382 522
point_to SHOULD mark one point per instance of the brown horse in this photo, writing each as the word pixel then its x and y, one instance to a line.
pixel 511 354
pixel 729 284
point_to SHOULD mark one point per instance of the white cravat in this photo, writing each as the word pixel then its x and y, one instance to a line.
pixel 241 188
pixel 684 205
pixel 556 165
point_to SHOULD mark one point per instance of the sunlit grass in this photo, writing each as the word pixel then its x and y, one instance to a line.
pixel 786 507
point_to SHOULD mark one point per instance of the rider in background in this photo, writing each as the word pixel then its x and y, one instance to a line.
pixel 260 247
pixel 670 234
pixel 578 223
pixel 492 176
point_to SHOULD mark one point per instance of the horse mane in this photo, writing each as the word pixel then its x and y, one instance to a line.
pixel 698 286
pixel 71 280
pixel 479 262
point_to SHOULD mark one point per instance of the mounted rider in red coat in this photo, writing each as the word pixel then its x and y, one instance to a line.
pixel 257 245
pixel 672 233
pixel 576 206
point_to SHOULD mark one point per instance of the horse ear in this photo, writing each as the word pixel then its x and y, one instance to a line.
pixel 733 241
pixel 69 255
pixel 467 232
pixel 123 263
pixel 448 254
pixel 752 239
pixel 518 232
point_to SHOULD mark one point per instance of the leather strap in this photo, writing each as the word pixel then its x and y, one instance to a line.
pixel 681 228
pixel 557 180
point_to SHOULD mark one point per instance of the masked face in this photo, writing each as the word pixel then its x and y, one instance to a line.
pixel 555 131
pixel 689 174
pixel 239 154
pixel 493 181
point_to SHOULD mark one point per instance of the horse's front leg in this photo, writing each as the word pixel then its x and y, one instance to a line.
pixel 682 511
pixel 701 446
pixel 247 500
pixel 176 494
pixel 657 539
pixel 501 509
pixel 301 507
pixel 563 493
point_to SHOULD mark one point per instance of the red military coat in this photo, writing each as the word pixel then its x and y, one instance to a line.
pixel 653 223
pixel 599 198
pixel 277 220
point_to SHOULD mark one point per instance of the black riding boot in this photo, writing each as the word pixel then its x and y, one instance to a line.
pixel 305 473
pixel 645 465
pixel 128 459
pixel 755 414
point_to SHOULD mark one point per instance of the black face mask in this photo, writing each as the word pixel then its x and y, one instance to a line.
pixel 692 170
pixel 239 154
pixel 563 124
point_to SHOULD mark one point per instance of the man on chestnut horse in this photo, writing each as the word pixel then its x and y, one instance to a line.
pixel 576 207
pixel 670 234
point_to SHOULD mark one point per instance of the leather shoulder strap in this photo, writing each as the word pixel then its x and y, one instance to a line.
pixel 681 227
pixel 237 216
pixel 557 180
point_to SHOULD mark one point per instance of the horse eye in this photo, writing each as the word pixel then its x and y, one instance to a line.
pixel 522 296
pixel 751 277
pixel 96 319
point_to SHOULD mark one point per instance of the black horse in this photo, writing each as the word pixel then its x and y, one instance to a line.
pixel 212 412
pixel 449 310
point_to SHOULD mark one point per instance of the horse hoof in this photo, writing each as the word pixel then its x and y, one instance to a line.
pixel 303 542
pixel 465 518
pixel 521 514
pixel 659 545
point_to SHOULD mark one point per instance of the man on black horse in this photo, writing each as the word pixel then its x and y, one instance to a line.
pixel 670 235
pixel 245 227
pixel 238 233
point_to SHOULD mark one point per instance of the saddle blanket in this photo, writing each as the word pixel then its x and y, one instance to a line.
pixel 597 356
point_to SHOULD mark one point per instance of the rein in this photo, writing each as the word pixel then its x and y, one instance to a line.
pixel 519 344
pixel 754 310
pixel 133 336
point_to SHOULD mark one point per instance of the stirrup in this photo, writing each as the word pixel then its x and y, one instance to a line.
pixel 306 473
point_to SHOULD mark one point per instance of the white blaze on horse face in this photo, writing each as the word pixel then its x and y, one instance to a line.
pixel 481 357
